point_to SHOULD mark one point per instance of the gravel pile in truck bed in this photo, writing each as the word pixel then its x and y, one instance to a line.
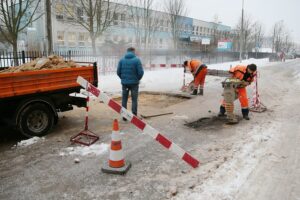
pixel 51 62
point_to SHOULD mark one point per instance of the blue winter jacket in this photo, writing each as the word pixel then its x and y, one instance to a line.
pixel 130 69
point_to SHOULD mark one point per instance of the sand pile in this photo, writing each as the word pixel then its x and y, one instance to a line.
pixel 51 62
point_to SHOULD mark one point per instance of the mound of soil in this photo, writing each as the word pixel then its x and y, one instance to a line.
pixel 51 62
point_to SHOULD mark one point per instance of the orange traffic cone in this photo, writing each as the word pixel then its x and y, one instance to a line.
pixel 116 163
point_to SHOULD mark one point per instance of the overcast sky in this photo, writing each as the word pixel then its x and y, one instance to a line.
pixel 266 11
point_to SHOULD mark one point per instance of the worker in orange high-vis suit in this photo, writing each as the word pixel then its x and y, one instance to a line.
pixel 199 71
pixel 246 75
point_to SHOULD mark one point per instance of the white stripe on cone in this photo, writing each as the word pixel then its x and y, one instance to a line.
pixel 115 136
pixel 116 155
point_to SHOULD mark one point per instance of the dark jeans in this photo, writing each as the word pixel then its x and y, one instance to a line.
pixel 134 96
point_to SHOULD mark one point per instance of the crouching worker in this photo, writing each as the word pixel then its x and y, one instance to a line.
pixel 235 87
pixel 199 71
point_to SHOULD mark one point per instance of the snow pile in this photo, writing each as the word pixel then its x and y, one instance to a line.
pixel 95 149
pixel 167 80
pixel 25 143
pixel 227 180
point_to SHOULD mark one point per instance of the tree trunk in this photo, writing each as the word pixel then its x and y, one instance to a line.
pixel 49 27
pixel 94 45
pixel 15 53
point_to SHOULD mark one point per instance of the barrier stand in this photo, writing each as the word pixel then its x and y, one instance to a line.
pixel 140 124
pixel 256 104
pixel 85 137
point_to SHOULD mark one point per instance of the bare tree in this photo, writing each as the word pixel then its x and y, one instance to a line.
pixel 288 44
pixel 258 34
pixel 247 27
pixel 282 40
pixel 278 31
pixel 216 35
pixel 176 9
pixel 144 20
pixel 96 16
pixel 15 16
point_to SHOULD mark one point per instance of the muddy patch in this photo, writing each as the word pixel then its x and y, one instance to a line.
pixel 209 123
pixel 156 100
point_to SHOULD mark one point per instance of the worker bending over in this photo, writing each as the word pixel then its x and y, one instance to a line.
pixel 199 71
pixel 245 75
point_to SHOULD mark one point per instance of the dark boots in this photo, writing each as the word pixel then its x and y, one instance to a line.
pixel 245 112
pixel 201 91
pixel 194 92
pixel 222 112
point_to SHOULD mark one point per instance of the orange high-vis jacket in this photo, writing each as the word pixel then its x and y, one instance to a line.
pixel 193 65
pixel 239 72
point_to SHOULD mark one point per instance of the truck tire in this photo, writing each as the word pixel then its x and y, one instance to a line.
pixel 36 120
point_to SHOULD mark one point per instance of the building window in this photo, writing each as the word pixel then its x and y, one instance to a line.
pixel 87 38
pixel 80 14
pixel 115 38
pixel 123 17
pixel 161 22
pixel 61 37
pixel 160 41
pixel 70 12
pixel 115 18
pixel 81 39
pixel 72 39
pixel 59 10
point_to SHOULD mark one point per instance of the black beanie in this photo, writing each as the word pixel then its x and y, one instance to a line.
pixel 252 67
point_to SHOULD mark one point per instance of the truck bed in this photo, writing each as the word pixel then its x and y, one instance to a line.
pixel 31 82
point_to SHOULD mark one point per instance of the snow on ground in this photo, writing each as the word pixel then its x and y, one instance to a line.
pixel 297 76
pixel 95 149
pixel 167 80
pixel 225 183
pixel 25 143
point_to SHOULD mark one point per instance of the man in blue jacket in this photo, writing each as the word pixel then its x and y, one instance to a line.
pixel 130 71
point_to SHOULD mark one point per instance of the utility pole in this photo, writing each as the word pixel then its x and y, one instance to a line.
pixel 242 33
pixel 49 26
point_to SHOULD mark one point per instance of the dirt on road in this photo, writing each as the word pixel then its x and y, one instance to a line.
pixel 256 159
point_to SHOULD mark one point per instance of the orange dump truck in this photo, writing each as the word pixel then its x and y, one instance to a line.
pixel 30 100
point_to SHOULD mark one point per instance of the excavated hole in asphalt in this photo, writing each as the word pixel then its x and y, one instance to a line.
pixel 209 123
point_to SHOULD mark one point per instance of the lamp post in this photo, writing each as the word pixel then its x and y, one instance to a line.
pixel 242 33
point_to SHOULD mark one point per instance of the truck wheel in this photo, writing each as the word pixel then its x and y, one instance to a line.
pixel 36 120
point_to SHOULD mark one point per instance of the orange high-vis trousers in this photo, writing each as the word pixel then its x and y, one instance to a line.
pixel 242 95
pixel 200 78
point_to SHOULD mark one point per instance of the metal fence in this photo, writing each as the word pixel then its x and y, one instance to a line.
pixel 107 61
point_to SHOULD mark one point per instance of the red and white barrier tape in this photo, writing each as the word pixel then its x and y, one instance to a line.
pixel 255 97
pixel 86 127
pixel 146 66
pixel 140 124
